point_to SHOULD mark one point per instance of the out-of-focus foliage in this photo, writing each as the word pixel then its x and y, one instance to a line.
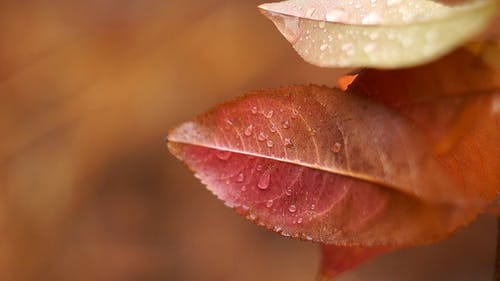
pixel 88 90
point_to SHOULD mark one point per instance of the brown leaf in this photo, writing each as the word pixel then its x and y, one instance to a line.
pixel 455 102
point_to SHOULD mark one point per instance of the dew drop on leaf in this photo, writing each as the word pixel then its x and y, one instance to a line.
pixel 264 180
pixel 368 48
pixel 292 208
pixel 254 110
pixel 223 155
pixel 288 143
pixel 270 114
pixel 262 136
pixel 269 143
pixel 286 124
pixel 248 131
pixel 240 177
pixel 269 203
pixel 336 147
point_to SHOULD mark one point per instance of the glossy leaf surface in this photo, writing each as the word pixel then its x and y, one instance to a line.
pixel 383 34
pixel 323 165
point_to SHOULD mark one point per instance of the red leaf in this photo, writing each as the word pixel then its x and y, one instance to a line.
pixel 405 160
pixel 316 163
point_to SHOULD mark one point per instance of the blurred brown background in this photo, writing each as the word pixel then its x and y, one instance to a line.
pixel 89 90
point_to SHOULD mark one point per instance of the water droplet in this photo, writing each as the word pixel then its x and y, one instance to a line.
pixel 248 131
pixel 300 220
pixel 335 15
pixel 321 24
pixel 292 208
pixel 262 136
pixel 223 155
pixel 286 124
pixel 240 177
pixel 269 143
pixel 346 46
pixel 288 192
pixel 259 168
pixel 264 180
pixel 371 18
pixel 288 142
pixel 310 12
pixel 295 113
pixel 336 147
pixel 323 47
pixel 254 110
pixel 313 206
pixel 269 203
pixel 369 47
pixel 309 238
pixel 277 229
pixel 270 114
pixel 244 188
pixel 273 128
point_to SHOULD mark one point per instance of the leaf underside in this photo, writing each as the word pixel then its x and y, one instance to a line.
pixel 382 34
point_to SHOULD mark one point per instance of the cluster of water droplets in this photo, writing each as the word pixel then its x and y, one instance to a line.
pixel 363 11
pixel 380 19
pixel 263 136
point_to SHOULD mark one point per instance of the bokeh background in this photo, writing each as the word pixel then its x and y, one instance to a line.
pixel 88 191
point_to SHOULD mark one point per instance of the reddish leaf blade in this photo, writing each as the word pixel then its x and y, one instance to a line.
pixel 337 259
pixel 311 162
pixel 328 130
pixel 314 205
